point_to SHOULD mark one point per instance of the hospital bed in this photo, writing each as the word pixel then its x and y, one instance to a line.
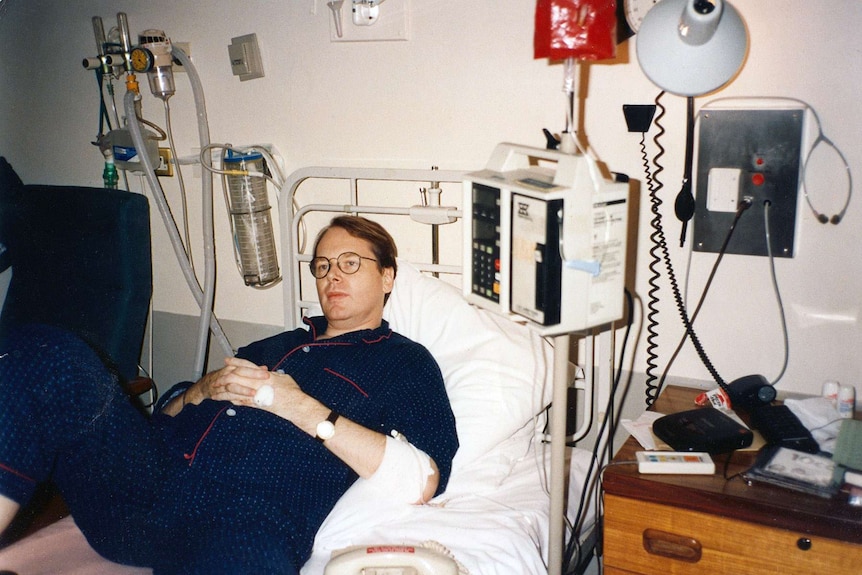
pixel 494 516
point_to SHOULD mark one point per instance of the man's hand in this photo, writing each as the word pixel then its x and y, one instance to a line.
pixel 236 382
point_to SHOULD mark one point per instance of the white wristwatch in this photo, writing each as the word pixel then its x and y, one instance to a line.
pixel 326 428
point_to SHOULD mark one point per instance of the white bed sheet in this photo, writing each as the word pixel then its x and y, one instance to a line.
pixel 494 520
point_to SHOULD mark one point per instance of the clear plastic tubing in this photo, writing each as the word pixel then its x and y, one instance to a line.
pixel 204 297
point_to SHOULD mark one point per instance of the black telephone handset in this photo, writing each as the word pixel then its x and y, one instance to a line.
pixel 776 423
pixel 780 427
pixel 750 392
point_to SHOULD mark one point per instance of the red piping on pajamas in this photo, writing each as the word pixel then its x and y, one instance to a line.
pixel 191 457
pixel 350 381
pixel 16 473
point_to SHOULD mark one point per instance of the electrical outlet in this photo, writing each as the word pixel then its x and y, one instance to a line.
pixel 165 167
pixel 391 22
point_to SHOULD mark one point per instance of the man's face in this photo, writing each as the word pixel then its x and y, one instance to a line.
pixel 351 302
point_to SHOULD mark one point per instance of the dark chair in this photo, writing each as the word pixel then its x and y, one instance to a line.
pixel 80 260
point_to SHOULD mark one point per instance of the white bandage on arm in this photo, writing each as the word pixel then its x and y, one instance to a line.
pixel 403 473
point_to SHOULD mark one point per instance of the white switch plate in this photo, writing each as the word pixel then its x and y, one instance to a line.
pixel 393 24
pixel 722 190
pixel 245 59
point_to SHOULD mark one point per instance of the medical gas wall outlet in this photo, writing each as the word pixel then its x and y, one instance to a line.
pixel 186 47
pixel 245 59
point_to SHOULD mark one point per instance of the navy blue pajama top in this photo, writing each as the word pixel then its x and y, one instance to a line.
pixel 376 378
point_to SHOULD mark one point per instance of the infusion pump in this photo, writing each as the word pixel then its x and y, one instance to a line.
pixel 545 239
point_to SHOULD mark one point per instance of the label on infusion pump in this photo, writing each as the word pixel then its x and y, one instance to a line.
pixel 608 241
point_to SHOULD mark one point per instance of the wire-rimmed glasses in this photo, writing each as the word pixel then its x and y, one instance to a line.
pixel 348 263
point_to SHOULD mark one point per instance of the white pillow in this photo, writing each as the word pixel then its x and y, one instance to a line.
pixel 498 373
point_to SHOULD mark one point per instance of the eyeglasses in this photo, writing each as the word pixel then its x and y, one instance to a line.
pixel 348 263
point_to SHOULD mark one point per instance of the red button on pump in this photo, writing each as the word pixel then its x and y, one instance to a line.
pixel 757 179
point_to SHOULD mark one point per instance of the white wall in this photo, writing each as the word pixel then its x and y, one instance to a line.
pixel 465 81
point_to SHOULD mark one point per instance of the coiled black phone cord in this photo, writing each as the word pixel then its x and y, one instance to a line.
pixel 660 253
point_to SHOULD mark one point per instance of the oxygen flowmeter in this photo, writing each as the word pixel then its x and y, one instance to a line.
pixel 153 56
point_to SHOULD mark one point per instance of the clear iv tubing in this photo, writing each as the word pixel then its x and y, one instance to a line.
pixel 203 297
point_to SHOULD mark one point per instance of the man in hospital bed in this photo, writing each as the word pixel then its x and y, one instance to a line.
pixel 235 473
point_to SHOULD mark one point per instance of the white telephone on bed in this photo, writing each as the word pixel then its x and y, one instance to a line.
pixel 391 560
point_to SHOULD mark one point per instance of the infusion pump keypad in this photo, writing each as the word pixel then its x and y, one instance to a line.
pixel 486 242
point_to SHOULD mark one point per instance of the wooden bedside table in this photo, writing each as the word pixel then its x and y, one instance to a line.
pixel 699 524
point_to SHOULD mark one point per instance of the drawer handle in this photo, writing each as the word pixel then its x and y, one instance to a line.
pixel 671 545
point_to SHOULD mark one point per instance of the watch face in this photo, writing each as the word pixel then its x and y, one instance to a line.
pixel 325 430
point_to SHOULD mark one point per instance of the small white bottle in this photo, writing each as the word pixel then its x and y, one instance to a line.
pixel 830 392
pixel 847 401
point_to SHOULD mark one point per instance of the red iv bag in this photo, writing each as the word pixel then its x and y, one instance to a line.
pixel 579 29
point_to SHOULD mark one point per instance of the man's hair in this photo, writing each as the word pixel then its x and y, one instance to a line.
pixel 382 244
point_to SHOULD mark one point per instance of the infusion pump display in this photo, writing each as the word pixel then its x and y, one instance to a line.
pixel 547 239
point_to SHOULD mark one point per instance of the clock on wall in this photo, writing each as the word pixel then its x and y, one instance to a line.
pixel 635 10
pixel 630 14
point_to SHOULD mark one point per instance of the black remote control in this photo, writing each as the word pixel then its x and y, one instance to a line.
pixel 780 426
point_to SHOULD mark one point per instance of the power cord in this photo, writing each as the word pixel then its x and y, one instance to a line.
pixel 782 314
pixel 573 548
pixel 743 206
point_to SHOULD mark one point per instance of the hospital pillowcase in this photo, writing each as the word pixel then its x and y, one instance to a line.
pixel 498 373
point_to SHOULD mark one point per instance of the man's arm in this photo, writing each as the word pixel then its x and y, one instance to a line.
pixel 359 447
pixel 362 449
